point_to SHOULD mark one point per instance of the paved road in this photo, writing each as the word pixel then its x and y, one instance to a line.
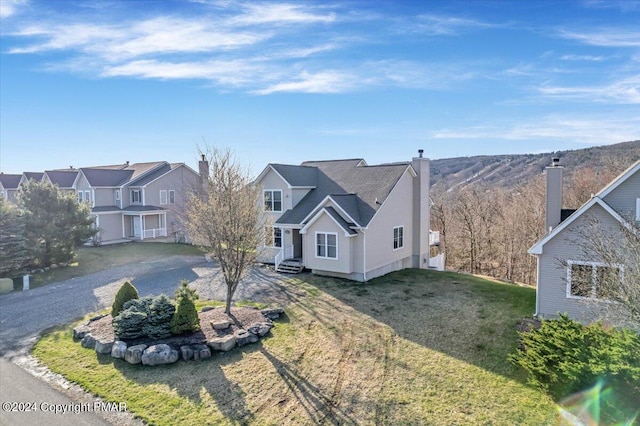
pixel 25 315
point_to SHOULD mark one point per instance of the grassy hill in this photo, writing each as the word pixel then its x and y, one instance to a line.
pixel 512 170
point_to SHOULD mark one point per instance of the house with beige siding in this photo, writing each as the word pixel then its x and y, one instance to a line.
pixel 569 275
pixel 345 218
pixel 136 201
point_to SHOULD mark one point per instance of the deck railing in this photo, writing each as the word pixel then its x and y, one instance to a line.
pixel 279 258
pixel 434 238
pixel 154 233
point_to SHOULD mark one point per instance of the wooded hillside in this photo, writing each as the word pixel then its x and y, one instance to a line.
pixel 490 209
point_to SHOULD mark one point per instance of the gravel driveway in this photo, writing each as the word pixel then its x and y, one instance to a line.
pixel 24 315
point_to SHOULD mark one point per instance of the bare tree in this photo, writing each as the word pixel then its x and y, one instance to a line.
pixel 614 285
pixel 225 217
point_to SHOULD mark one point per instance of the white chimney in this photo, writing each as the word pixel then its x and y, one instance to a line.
pixel 553 194
pixel 203 169
pixel 421 216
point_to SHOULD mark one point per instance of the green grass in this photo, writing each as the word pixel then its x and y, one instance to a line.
pixel 413 347
pixel 95 259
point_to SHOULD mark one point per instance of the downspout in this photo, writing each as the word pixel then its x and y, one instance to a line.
pixel 535 315
pixel 364 255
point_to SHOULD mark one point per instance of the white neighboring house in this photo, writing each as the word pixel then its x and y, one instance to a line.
pixel 347 219
pixel 563 267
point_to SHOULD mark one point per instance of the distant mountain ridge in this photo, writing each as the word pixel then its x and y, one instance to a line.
pixel 513 170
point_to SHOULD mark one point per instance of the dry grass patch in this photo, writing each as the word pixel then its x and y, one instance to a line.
pixel 411 348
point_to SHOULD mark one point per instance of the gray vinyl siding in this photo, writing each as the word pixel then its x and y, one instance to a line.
pixel 552 278
pixel 623 198
pixel 104 197
pixel 343 263
pixel 397 210
pixel 110 226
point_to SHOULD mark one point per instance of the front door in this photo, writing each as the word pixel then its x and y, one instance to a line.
pixel 137 226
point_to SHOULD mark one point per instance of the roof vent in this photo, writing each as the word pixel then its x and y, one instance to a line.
pixel 127 162
pixel 420 152
pixel 555 161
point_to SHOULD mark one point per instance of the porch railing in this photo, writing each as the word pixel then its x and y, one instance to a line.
pixel 437 262
pixel 279 258
pixel 434 238
pixel 154 233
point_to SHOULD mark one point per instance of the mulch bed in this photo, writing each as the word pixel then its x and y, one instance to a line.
pixel 240 318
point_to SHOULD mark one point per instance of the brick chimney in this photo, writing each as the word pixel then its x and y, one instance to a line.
pixel 203 170
pixel 421 214
pixel 553 194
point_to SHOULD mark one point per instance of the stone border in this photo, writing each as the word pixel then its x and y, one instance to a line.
pixel 159 354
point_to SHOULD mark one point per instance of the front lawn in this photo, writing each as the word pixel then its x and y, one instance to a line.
pixel 413 347
pixel 95 259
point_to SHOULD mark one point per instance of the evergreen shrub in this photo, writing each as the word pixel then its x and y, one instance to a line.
pixel 186 317
pixel 126 293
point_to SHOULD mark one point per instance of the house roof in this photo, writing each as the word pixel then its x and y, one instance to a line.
pixel 98 177
pixel 151 175
pixel 37 176
pixel 357 188
pixel 62 178
pixel 10 181
pixel 596 199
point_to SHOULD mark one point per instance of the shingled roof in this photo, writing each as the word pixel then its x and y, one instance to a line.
pixel 357 188
pixel 10 181
pixel 62 178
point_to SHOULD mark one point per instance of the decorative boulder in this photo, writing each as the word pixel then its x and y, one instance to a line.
pixel 260 328
pixel 187 352
pixel 88 342
pixel 104 346
pixel 201 352
pixel 159 354
pixel 134 354
pixel 223 344
pixel 119 349
pixel 272 314
pixel 243 337
pixel 220 325
pixel 80 331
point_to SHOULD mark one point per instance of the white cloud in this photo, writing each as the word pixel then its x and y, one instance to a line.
pixel 606 38
pixel 626 91
pixel 10 7
pixel 320 82
pixel 590 58
pixel 432 24
pixel 280 13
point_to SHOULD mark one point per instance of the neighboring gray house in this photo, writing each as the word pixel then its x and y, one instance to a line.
pixel 347 219
pixel 137 201
pixel 64 179
pixel 9 185
pixel 563 266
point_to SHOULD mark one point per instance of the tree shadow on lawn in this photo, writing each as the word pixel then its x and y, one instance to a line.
pixel 461 316
pixel 190 379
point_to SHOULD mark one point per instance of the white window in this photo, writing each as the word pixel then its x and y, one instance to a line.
pixel 274 237
pixel 327 245
pixel 398 237
pixel 136 196
pixel 172 196
pixel 80 196
pixel 117 195
pixel 87 196
pixel 163 196
pixel 273 200
pixel 592 280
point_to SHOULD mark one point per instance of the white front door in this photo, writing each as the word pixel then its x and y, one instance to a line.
pixel 137 226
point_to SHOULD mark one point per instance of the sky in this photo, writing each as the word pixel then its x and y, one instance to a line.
pixel 85 83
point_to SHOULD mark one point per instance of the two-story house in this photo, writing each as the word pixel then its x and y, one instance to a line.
pixel 568 275
pixel 136 201
pixel 9 185
pixel 345 218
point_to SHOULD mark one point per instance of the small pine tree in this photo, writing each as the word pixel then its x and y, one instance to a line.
pixel 127 292
pixel 161 312
pixel 129 324
pixel 186 317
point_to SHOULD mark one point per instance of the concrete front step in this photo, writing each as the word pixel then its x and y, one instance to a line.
pixel 290 267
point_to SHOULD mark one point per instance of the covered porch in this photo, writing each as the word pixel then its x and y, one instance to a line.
pixel 144 225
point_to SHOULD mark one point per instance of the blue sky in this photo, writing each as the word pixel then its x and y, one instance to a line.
pixel 101 82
